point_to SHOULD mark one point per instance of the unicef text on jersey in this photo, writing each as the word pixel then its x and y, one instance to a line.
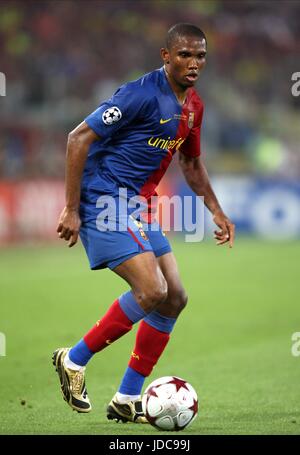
pixel 181 214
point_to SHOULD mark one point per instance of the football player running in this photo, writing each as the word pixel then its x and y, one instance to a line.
pixel 127 144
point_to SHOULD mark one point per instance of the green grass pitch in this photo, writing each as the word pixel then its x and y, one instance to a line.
pixel 232 342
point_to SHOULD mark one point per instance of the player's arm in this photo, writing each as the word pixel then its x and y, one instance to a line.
pixel 79 141
pixel 197 178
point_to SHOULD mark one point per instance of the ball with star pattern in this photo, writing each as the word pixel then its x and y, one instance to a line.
pixel 170 403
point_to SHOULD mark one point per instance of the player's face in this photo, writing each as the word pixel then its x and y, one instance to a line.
pixel 185 60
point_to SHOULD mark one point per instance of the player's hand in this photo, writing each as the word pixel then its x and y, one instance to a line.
pixel 227 229
pixel 69 225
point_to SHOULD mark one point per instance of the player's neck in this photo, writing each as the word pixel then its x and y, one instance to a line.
pixel 179 92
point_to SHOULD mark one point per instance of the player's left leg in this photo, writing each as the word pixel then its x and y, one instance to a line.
pixel 153 333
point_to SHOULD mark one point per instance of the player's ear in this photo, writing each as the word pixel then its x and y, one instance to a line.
pixel 164 53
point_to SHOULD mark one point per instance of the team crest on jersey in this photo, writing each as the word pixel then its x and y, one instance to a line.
pixel 111 115
pixel 191 119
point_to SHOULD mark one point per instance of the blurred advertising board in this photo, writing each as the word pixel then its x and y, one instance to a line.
pixel 266 208
pixel 29 210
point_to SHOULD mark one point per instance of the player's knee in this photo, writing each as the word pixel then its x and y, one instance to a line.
pixel 178 301
pixel 182 300
pixel 153 296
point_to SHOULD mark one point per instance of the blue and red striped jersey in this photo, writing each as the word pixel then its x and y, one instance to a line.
pixel 140 128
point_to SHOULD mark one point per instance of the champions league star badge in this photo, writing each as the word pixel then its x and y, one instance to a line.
pixel 191 119
pixel 111 115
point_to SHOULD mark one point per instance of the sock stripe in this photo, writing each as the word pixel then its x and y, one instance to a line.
pixel 160 322
pixel 80 353
pixel 132 382
pixel 131 308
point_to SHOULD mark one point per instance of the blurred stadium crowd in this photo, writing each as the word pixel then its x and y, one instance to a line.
pixel 62 58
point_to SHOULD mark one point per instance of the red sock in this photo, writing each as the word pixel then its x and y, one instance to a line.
pixel 149 346
pixel 112 326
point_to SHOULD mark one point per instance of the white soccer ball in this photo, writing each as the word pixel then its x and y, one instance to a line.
pixel 111 115
pixel 170 403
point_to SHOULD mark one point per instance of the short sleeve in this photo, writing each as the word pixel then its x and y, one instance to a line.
pixel 192 145
pixel 121 109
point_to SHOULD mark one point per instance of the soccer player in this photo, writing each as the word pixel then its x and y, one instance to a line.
pixel 128 143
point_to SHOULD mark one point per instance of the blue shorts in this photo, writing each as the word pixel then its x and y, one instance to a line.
pixel 110 248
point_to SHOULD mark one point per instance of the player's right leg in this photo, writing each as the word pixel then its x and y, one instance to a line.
pixel 154 331
pixel 149 289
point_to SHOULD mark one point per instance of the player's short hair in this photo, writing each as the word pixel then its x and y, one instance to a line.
pixel 183 29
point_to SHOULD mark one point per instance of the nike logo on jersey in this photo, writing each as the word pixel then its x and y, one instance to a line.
pixel 162 121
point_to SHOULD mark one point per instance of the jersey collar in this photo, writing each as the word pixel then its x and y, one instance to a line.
pixel 169 88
